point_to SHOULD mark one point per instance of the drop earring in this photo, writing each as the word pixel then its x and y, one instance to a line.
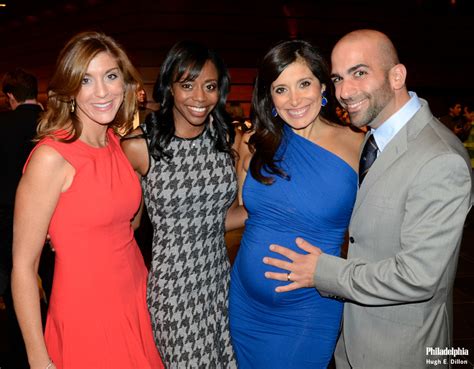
pixel 274 112
pixel 73 105
pixel 324 100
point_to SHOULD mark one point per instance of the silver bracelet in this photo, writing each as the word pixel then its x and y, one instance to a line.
pixel 50 364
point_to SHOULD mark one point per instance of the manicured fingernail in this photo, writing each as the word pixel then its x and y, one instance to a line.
pixel 265 260
pixel 272 247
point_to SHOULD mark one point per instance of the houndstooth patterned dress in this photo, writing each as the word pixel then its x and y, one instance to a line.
pixel 187 198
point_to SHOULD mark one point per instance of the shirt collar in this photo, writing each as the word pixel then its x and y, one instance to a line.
pixel 387 130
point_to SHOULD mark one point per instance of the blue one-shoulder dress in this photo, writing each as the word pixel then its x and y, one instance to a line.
pixel 295 329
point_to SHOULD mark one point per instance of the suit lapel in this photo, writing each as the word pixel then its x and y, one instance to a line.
pixel 393 151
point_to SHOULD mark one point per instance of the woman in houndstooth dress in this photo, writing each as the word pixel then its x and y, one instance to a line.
pixel 184 154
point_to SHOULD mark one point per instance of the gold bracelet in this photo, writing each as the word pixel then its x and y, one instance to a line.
pixel 50 364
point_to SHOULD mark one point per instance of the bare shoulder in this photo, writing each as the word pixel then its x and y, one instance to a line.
pixel 134 141
pixel 345 143
pixel 135 148
pixel 47 159
pixel 137 135
pixel 48 166
pixel 349 136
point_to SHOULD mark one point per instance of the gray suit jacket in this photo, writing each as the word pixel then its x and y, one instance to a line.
pixel 405 234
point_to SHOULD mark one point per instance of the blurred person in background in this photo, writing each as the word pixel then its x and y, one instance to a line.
pixel 457 121
pixel 17 130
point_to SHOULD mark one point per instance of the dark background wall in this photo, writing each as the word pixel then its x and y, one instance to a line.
pixel 434 37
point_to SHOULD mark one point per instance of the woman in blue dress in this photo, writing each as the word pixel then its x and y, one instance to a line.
pixel 301 181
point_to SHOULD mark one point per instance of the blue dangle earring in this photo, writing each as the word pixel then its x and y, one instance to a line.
pixel 274 112
pixel 324 100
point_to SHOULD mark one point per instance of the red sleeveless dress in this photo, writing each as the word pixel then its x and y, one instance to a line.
pixel 98 316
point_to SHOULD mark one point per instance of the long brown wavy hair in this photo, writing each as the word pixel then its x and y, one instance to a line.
pixel 65 84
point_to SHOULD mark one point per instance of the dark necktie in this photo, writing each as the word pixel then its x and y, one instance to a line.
pixel 369 154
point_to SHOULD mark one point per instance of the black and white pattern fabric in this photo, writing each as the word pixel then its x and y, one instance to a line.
pixel 187 198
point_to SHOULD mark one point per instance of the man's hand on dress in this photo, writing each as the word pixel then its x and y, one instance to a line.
pixel 301 267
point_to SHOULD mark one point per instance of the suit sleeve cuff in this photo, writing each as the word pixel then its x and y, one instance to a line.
pixel 326 275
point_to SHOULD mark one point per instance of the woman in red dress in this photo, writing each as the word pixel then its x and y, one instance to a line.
pixel 79 187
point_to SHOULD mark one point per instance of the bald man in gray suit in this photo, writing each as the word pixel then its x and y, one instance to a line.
pixel 406 225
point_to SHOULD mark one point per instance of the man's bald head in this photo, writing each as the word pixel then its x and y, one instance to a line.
pixel 383 46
